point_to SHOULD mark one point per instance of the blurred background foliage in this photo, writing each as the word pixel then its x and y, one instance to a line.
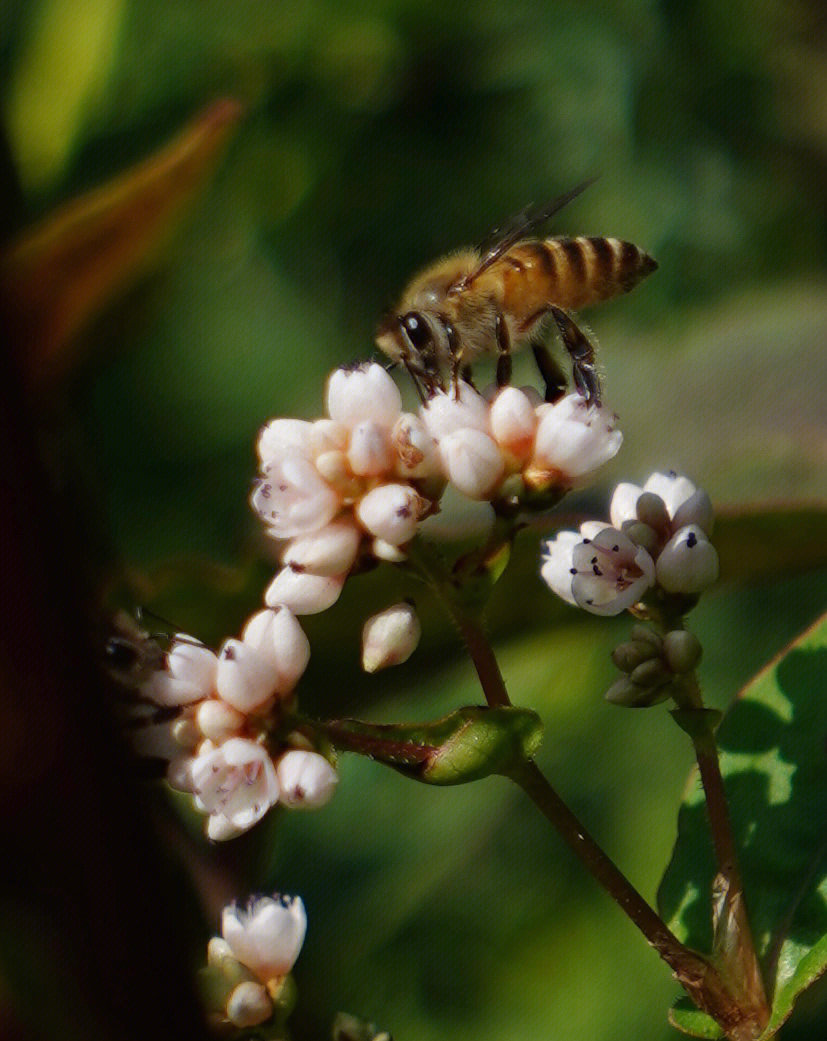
pixel 379 134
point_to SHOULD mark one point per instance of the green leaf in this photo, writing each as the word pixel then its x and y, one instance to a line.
pixel 773 762
pixel 692 1021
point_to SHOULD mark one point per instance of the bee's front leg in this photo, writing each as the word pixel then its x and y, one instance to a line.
pixel 554 379
pixel 581 352
pixel 504 351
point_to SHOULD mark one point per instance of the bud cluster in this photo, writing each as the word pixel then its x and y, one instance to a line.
pixel 650 662
pixel 247 980
pixel 658 539
pixel 230 706
pixel 360 481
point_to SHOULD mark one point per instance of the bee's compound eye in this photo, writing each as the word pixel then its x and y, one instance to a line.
pixel 417 330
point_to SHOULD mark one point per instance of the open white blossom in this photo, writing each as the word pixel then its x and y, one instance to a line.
pixel 235 783
pixel 607 572
pixel 267 935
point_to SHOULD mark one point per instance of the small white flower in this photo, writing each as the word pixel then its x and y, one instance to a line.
pixel 674 489
pixel 283 437
pixel 277 635
pixel 684 503
pixel 249 1004
pixel 612 573
pixel 291 498
pixel 458 408
pixel 303 592
pixel 391 512
pixel 623 506
pixel 217 720
pixel 390 637
pixel 472 462
pixel 574 439
pixel 307 781
pixel 189 674
pixel 688 562
pixel 365 393
pixel 514 422
pixel 268 936
pixel 246 679
pixel 235 783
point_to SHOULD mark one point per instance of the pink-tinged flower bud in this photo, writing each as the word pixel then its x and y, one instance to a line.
pixel 217 720
pixel 456 409
pixel 370 453
pixel 277 636
pixel 246 679
pixel 328 551
pixel 414 447
pixel 612 573
pixel 688 562
pixel 249 1004
pixel 218 950
pixel 179 773
pixel 306 779
pixel 328 436
pixel 574 439
pixel 303 592
pixel 391 512
pixel 390 637
pixel 623 506
pixel 235 783
pixel 514 422
pixel 368 392
pixel 267 936
pixel 189 674
pixel 558 569
pixel 387 551
pixel 283 437
pixel 293 499
pixel 472 462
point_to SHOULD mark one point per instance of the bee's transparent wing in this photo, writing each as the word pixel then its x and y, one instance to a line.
pixel 520 226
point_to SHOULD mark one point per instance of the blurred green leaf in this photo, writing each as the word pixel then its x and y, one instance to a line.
pixel 773 760
pixel 57 276
pixel 692 1021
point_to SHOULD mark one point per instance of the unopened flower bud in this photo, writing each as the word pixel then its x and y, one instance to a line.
pixel 277 635
pixel 246 679
pixel 644 634
pixel 370 452
pixel 267 936
pixel 363 393
pixel 303 592
pixel 688 562
pixel 629 655
pixel 626 694
pixel 673 489
pixel 217 720
pixel 306 779
pixel 282 437
pixel 185 732
pixel 697 509
pixel 390 637
pixel 329 551
pixel 514 422
pixel 472 461
pixel 459 408
pixel 387 551
pixel 650 673
pixel 651 510
pixel 189 674
pixel 391 512
pixel 681 650
pixel 218 950
pixel 249 1004
pixel 642 535
pixel 415 448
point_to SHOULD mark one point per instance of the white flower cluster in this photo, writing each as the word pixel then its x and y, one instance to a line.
pixel 227 701
pixel 261 943
pixel 659 536
pixel 363 479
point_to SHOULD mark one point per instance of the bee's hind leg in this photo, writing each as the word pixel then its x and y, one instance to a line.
pixel 552 375
pixel 581 352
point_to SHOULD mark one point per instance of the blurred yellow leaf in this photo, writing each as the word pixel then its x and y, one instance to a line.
pixel 55 277
pixel 61 71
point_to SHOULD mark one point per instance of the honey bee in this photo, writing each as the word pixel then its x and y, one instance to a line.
pixel 495 299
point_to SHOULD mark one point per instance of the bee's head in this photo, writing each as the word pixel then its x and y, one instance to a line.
pixel 410 338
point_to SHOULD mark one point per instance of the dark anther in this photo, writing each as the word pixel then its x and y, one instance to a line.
pixel 691 539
